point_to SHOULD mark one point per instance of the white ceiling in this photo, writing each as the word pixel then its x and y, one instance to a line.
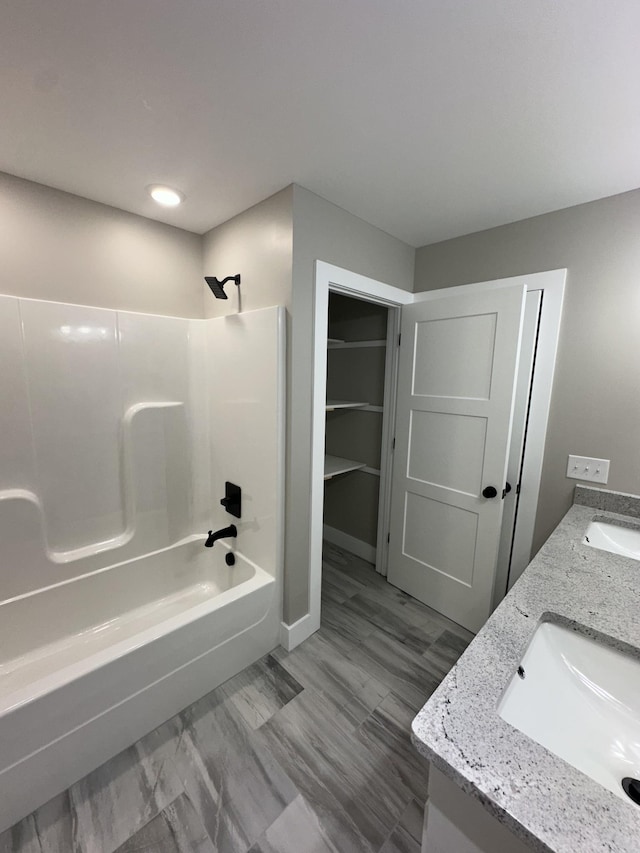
pixel 428 118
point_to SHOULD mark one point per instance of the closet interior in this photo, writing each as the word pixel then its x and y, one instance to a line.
pixel 355 423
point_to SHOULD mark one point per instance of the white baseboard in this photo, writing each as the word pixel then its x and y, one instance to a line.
pixel 350 543
pixel 292 635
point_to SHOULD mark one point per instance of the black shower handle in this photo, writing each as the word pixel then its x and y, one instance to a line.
pixel 232 500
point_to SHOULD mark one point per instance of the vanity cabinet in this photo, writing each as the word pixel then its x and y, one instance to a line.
pixel 454 821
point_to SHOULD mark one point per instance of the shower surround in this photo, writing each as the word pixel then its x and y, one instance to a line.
pixel 119 431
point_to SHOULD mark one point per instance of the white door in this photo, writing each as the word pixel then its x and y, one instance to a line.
pixel 457 369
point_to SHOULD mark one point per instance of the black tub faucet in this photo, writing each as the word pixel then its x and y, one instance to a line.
pixel 223 533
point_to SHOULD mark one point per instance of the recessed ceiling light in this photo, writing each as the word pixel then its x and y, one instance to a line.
pixel 165 196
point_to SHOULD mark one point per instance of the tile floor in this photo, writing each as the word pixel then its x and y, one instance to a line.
pixel 303 752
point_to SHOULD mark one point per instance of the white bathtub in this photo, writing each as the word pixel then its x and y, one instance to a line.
pixel 90 665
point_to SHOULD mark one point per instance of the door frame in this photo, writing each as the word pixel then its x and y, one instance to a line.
pixel 552 284
pixel 340 280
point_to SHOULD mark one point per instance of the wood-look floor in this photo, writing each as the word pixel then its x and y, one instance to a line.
pixel 303 752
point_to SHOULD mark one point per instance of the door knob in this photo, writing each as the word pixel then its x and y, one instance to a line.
pixel 489 492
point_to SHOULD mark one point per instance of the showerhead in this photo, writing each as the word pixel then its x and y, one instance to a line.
pixel 217 287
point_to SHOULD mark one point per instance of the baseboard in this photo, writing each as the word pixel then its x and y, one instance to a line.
pixel 350 543
pixel 292 635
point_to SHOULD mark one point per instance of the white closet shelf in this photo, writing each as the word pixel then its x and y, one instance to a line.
pixel 334 465
pixel 335 343
pixel 332 405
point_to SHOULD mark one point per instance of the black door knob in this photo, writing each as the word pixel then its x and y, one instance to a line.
pixel 489 492
pixel 507 488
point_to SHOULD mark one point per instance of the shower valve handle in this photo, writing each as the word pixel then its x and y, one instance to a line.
pixel 232 500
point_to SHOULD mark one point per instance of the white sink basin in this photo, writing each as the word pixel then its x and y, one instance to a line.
pixel 611 537
pixel 580 699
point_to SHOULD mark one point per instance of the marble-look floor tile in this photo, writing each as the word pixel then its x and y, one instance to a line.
pixel 341 643
pixel 398 667
pixel 177 829
pixel 400 842
pixel 320 665
pixel 101 811
pixel 344 765
pixel 331 595
pixel 355 567
pixel 338 826
pixel 47 830
pixel 341 581
pixel 259 691
pixel 56 824
pixel 297 830
pixel 335 555
pixel 234 782
pixel 412 820
pixel 444 652
pixel 416 638
pixel 445 624
pixel 21 838
pixel 354 712
pixel 407 834
pixel 345 623
pixel 388 730
pixel 118 798
pixel 406 608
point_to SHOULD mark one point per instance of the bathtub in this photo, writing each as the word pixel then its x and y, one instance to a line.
pixel 90 665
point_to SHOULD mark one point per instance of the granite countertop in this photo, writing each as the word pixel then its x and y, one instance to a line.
pixel 538 796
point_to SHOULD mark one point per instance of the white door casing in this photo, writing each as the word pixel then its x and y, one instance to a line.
pixel 522 397
pixel 456 383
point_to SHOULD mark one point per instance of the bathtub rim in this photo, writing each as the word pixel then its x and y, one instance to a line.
pixel 60 678
pixel 186 540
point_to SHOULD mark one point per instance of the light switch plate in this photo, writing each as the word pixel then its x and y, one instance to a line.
pixel 589 469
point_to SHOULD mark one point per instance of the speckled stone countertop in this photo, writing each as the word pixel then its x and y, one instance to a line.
pixel 543 800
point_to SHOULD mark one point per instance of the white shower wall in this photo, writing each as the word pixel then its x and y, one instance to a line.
pixel 247 421
pixel 119 429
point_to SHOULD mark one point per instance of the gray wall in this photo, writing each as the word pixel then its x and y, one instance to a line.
pixel 274 246
pixel 65 248
pixel 595 407
pixel 323 231
pixel 258 244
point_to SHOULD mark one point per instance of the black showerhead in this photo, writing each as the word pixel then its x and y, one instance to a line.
pixel 217 287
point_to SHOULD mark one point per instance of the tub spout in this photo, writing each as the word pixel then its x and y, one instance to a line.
pixel 225 532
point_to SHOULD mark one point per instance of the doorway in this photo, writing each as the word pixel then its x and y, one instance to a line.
pixel 334 279
pixel 360 381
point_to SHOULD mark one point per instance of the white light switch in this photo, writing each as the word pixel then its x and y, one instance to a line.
pixel 586 468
